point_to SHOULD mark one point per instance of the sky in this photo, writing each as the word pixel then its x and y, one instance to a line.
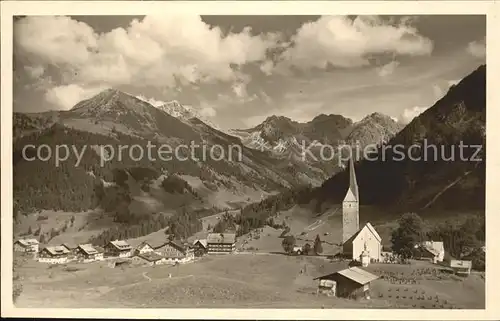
pixel 238 70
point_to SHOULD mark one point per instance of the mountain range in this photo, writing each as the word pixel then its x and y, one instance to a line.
pixel 272 157
pixel 436 176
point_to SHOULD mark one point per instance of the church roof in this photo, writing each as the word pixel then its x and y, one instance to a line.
pixel 352 191
pixel 370 228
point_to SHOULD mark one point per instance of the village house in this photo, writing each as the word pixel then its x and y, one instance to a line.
pixel 175 252
pixel 144 247
pixel 430 250
pixel 366 241
pixel 118 248
pixel 150 259
pixel 461 267
pixel 298 250
pixel 353 282
pixel 87 253
pixel 26 245
pixel 54 255
pixel 220 243
pixel 200 247
pixel 72 248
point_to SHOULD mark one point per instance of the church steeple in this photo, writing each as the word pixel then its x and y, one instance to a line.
pixel 350 206
pixel 352 194
pixel 353 184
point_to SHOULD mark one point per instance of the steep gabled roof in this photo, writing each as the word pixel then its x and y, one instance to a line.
pixel 28 242
pixel 88 249
pixel 370 228
pixel 353 183
pixel 56 250
pixel 121 245
pixel 434 247
pixel 373 231
pixel 202 242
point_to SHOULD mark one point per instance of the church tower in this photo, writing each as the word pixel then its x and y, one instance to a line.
pixel 350 206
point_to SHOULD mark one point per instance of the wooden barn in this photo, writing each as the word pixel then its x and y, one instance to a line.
pixel 220 243
pixel 26 245
pixel 118 248
pixel 353 282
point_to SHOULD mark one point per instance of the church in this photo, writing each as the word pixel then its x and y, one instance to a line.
pixel 357 243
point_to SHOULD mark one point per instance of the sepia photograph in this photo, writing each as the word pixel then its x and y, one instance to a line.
pixel 247 161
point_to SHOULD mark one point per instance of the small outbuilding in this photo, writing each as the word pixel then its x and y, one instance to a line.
pixel 461 267
pixel 353 282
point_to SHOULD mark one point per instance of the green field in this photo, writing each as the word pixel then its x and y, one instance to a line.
pixel 231 281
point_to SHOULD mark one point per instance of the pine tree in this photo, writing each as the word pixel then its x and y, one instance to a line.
pixel 318 248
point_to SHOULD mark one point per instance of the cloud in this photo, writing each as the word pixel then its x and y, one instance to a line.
pixel 240 90
pixel 151 101
pixel 207 111
pixel 453 82
pixel 410 113
pixel 438 92
pixel 344 42
pixel 267 67
pixel 34 72
pixel 149 52
pixel 55 39
pixel 388 69
pixel 477 48
pixel 66 96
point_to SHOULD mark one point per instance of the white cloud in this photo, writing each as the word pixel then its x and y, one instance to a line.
pixel 388 69
pixel 267 67
pixel 156 51
pixel 35 72
pixel 477 48
pixel 240 90
pixel 151 101
pixel 208 111
pixel 55 39
pixel 453 82
pixel 438 91
pixel 410 113
pixel 66 96
pixel 343 42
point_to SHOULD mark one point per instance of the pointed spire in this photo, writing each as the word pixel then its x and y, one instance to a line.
pixel 353 184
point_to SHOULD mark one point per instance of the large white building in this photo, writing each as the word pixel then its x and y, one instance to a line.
pixel 365 240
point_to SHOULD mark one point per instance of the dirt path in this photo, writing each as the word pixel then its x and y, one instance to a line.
pixel 320 222
pixel 447 187
pixel 145 276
